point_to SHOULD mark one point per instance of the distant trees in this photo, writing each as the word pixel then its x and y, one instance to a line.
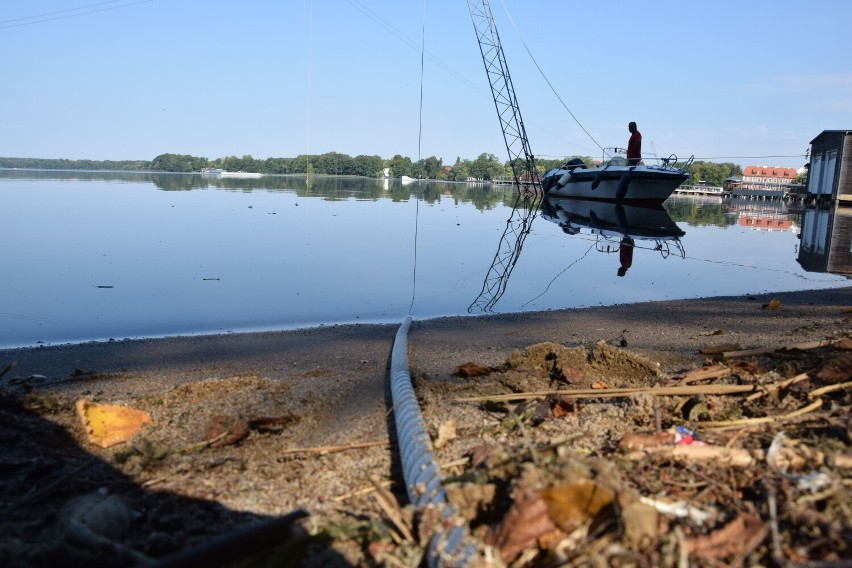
pixel 711 173
pixel 485 167
pixel 63 164
pixel 177 163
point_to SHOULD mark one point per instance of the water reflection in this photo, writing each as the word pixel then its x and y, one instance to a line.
pixel 518 226
pixel 136 254
pixel 616 228
pixel 826 239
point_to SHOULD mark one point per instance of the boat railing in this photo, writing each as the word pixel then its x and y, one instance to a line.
pixel 665 247
pixel 615 156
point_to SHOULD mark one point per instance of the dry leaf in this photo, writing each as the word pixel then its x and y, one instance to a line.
pixel 773 304
pixel 736 538
pixel 599 385
pixel 446 434
pixel 640 521
pixel 561 406
pixel 844 344
pixel 572 505
pixel 479 454
pixel 714 332
pixel 109 424
pixel 526 522
pixel 837 369
pixel 226 430
pixel 471 370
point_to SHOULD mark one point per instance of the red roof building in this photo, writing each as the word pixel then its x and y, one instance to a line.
pixel 768 176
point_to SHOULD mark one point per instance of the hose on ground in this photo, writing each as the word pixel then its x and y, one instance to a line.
pixel 452 546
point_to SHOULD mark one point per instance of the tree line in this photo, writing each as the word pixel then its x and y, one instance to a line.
pixel 485 167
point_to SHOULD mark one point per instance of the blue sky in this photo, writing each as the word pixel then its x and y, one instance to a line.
pixel 748 82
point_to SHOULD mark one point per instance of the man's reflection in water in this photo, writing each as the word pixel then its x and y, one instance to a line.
pixel 625 255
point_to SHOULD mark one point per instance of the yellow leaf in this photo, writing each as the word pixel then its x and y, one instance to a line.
pixel 108 424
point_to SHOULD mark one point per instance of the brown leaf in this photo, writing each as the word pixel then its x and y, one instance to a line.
pixel 561 406
pixel 844 344
pixel 574 504
pixel 478 454
pixel 736 538
pixel 226 430
pixel 108 424
pixel 837 369
pixel 599 385
pixel 773 304
pixel 526 522
pixel 471 370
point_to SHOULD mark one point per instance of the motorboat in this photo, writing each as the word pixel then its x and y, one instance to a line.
pixel 616 180
pixel 610 222
pixel 240 174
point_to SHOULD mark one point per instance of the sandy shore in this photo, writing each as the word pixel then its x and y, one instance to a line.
pixel 328 388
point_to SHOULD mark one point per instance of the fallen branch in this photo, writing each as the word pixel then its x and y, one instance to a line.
pixel 685 390
pixel 764 419
pixel 766 389
pixel 828 389
pixel 766 350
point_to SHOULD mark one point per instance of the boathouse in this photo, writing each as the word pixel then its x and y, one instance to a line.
pixel 830 172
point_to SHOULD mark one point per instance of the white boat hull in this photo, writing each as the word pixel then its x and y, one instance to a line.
pixel 614 183
pixel 240 175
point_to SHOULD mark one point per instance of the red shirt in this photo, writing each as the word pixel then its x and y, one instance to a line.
pixel 634 146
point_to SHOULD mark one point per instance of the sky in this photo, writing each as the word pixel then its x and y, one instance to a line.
pixel 726 81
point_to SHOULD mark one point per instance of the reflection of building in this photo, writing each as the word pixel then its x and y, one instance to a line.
pixel 765 223
pixel 830 173
pixel 763 215
pixel 826 239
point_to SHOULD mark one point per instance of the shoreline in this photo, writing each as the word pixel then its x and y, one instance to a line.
pixel 676 327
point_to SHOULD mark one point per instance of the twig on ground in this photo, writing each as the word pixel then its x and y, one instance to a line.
pixel 767 350
pixel 332 449
pixel 391 508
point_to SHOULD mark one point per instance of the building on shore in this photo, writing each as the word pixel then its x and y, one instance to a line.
pixel 768 177
pixel 830 171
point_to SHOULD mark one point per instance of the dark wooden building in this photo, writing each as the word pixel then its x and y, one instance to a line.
pixel 830 172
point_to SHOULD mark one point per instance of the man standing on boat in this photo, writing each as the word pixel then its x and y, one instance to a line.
pixel 634 145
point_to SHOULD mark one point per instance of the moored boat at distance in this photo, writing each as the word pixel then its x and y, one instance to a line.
pixel 240 175
pixel 616 180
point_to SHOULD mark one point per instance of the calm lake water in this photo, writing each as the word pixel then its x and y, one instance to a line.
pixel 100 255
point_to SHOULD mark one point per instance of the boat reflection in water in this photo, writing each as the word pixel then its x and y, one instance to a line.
pixel 617 227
